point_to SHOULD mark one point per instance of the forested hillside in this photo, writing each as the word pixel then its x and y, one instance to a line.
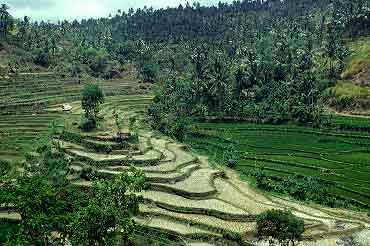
pixel 249 95
pixel 268 60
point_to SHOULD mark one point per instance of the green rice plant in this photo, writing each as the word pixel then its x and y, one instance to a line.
pixel 338 158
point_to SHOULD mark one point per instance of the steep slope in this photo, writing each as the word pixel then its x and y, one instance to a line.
pixel 352 94
pixel 201 204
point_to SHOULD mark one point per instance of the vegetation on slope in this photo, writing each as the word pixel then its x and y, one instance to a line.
pixel 358 62
pixel 322 166
pixel 262 61
pixel 351 93
pixel 57 211
pixel 278 75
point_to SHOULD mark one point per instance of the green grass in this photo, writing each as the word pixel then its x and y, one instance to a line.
pixel 335 157
pixel 345 88
pixel 359 57
pixel 352 93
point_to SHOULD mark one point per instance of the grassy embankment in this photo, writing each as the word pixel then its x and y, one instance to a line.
pixel 352 93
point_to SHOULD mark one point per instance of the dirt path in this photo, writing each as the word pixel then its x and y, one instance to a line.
pixel 350 114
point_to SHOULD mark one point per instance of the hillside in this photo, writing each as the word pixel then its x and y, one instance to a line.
pixel 188 199
pixel 243 123
pixel 31 106
pixel 351 94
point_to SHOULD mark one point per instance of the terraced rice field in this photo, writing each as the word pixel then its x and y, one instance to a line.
pixel 339 158
pixel 35 92
pixel 188 199
pixel 20 133
pixel 30 107
pixel 358 123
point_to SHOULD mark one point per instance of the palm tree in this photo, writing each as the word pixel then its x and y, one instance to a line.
pixel 24 27
pixel 5 20
pixel 218 81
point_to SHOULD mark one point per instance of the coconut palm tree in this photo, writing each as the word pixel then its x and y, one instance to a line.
pixel 218 80
pixel 5 21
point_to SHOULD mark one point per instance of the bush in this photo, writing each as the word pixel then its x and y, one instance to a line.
pixel 230 156
pixel 132 121
pixel 5 167
pixel 88 173
pixel 72 137
pixel 41 58
pixel 178 128
pixel 87 124
pixel 31 156
pixel 100 148
pixel 232 163
pixel 158 117
pixel 149 70
pixel 108 149
pixel 300 187
pixel 134 139
pixel 233 236
pixel 277 226
pixel 98 60
pixel 125 144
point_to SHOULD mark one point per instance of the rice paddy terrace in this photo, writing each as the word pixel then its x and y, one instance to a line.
pixel 187 199
pixel 340 159
pixel 26 92
pixel 191 201
pixel 30 106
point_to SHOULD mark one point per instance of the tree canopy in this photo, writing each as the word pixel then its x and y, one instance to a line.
pixel 92 97
pixel 277 226
pixel 100 216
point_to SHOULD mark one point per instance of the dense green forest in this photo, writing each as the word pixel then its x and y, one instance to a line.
pixel 263 60
pixel 274 62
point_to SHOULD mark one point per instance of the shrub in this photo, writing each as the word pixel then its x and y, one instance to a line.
pixel 108 149
pixel 149 71
pixel 232 236
pixel 30 156
pixel 132 121
pixel 232 163
pixel 158 117
pixel 88 173
pixel 97 147
pixel 41 58
pixel 72 137
pixel 299 187
pixel 5 166
pixel 125 145
pixel 134 139
pixel 277 226
pixel 230 156
pixel 87 124
pixel 178 128
pixel 98 61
